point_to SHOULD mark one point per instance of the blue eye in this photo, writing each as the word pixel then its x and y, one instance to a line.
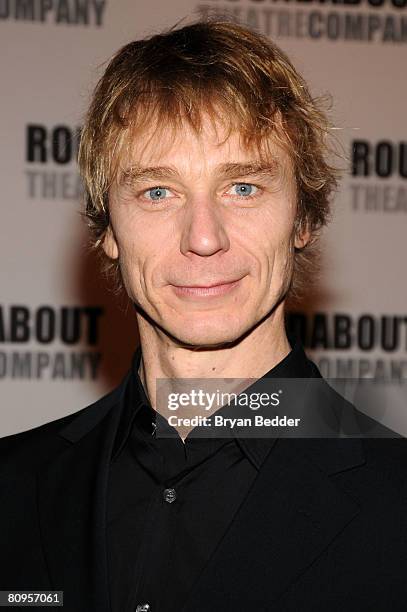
pixel 157 193
pixel 244 189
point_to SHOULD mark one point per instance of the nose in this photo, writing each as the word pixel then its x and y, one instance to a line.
pixel 203 231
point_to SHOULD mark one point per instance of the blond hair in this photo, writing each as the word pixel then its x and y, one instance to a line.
pixel 237 76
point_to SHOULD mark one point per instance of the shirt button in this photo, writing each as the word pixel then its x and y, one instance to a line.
pixel 143 608
pixel 169 495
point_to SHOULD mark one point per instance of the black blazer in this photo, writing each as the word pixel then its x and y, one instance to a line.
pixel 324 528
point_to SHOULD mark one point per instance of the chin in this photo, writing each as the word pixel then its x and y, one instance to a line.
pixel 206 333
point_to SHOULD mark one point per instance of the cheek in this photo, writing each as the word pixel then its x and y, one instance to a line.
pixel 278 254
pixel 285 262
pixel 276 236
pixel 284 252
pixel 141 261
pixel 129 256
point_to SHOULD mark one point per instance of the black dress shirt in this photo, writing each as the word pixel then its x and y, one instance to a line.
pixel 170 502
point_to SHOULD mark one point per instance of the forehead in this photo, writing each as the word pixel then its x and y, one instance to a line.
pixel 183 146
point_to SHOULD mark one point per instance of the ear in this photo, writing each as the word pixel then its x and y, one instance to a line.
pixel 109 244
pixel 302 237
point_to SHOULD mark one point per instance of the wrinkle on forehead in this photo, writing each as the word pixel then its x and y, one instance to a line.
pixel 152 144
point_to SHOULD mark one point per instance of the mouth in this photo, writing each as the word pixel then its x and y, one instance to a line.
pixel 203 291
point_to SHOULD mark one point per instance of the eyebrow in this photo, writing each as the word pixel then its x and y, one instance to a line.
pixel 255 168
pixel 138 174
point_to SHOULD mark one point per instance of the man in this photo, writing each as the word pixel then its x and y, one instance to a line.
pixel 205 163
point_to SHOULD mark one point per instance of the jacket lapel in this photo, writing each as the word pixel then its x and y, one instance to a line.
pixel 293 512
pixel 291 515
pixel 72 506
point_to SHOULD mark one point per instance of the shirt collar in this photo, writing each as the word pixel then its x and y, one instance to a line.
pixel 136 402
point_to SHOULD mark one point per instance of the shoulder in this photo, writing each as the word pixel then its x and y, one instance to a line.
pixel 379 483
pixel 390 453
pixel 30 448
pixel 344 417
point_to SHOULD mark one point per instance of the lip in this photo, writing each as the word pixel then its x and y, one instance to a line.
pixel 204 291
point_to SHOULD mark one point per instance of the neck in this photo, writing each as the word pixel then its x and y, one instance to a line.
pixel 255 355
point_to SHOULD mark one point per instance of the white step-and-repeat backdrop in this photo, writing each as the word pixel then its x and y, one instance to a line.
pixel 64 340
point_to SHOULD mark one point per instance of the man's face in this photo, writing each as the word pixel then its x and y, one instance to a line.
pixel 204 232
